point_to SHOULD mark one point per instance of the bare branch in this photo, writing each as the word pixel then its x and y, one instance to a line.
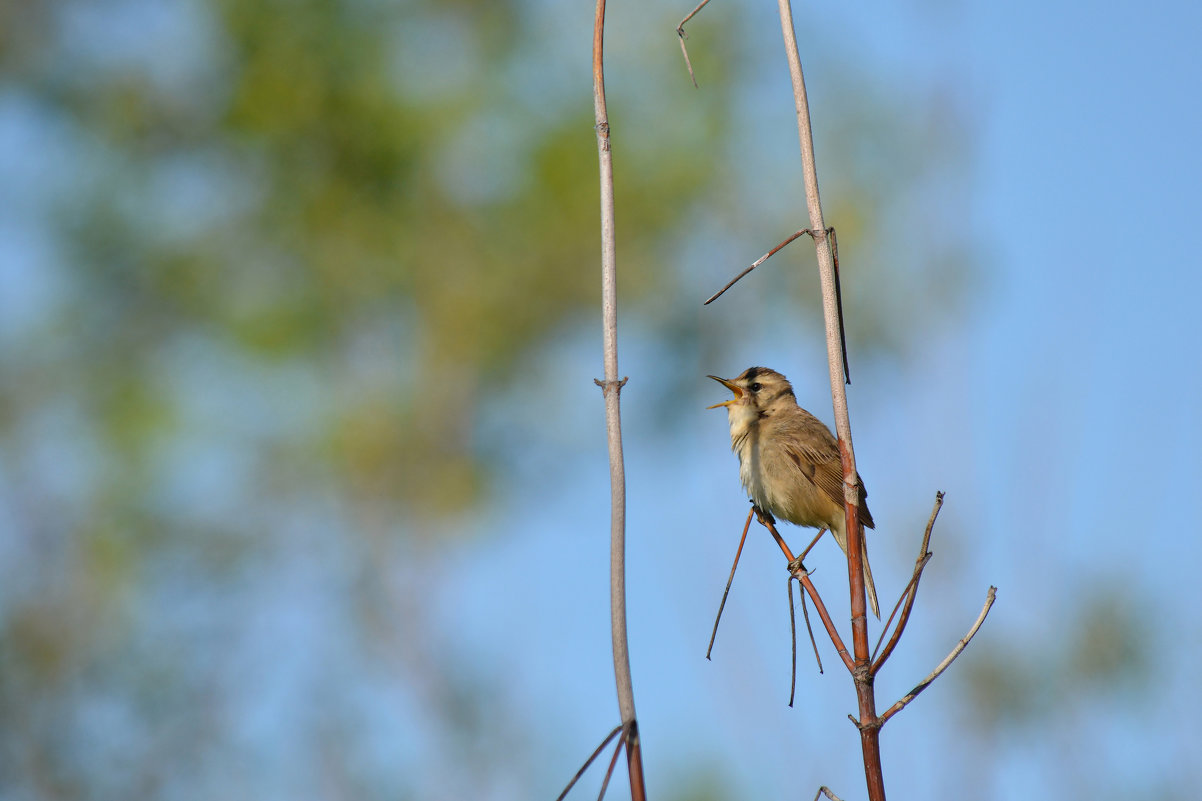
pixel 726 592
pixel 795 564
pixel 680 33
pixel 589 761
pixel 911 591
pixel 793 638
pixel 839 304
pixel 755 264
pixel 806 614
pixel 907 596
pixel 960 646
pixel 612 761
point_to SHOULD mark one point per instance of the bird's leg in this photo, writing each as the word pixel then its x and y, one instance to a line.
pixel 796 563
pixel 813 542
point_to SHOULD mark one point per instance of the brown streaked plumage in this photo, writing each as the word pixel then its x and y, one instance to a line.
pixel 788 460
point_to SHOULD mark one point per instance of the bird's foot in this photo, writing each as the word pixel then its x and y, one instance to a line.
pixel 765 518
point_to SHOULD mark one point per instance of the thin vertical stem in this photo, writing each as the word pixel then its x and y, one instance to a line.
pixel 830 303
pixel 612 388
pixel 868 724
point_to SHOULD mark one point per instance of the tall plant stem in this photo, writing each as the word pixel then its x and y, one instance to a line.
pixel 612 389
pixel 868 724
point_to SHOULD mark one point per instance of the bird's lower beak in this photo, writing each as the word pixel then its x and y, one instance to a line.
pixel 733 387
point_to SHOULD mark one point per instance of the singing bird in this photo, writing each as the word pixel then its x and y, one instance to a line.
pixel 789 461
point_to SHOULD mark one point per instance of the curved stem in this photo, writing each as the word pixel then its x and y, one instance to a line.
pixel 612 389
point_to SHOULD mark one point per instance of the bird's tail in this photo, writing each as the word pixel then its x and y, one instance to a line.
pixel 869 585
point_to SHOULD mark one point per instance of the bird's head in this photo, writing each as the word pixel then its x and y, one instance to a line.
pixel 756 390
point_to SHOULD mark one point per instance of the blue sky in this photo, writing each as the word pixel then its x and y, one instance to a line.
pixel 1058 408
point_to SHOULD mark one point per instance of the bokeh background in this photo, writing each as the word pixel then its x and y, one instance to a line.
pixel 303 491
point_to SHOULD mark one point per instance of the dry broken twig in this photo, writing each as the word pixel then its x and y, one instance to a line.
pixel 682 35
pixel 757 263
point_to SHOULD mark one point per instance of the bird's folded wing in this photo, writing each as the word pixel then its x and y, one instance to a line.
pixel 823 466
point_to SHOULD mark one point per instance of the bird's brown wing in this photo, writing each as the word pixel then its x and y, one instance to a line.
pixel 819 461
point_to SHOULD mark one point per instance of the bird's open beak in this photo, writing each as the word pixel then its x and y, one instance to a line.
pixel 733 387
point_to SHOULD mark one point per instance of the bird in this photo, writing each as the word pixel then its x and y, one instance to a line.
pixel 789 460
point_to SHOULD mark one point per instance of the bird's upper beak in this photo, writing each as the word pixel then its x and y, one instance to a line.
pixel 733 387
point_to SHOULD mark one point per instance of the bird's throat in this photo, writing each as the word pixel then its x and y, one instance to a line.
pixel 744 424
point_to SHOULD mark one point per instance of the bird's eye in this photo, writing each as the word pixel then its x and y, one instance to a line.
pixel 755 386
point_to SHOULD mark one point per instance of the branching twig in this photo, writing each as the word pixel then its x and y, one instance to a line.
pixel 960 646
pixel 911 591
pixel 612 761
pixel 589 761
pixel 680 33
pixel 802 575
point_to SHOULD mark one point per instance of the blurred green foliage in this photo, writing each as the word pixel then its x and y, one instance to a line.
pixel 1104 652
